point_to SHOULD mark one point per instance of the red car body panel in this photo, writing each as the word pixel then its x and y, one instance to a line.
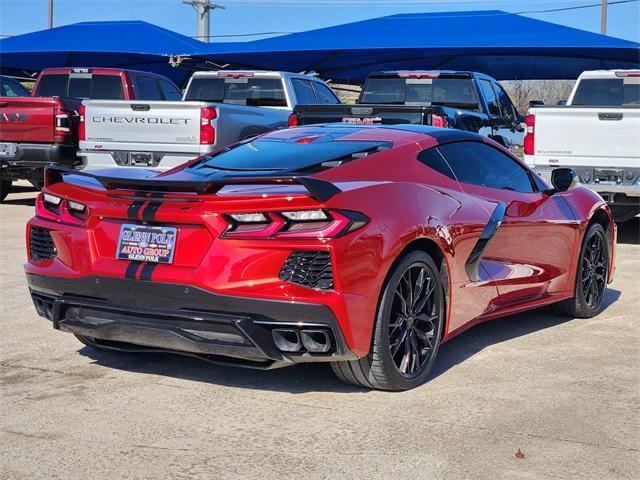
pixel 530 262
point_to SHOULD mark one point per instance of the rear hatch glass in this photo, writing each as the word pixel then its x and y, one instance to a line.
pixel 82 85
pixel 421 91
pixel 257 92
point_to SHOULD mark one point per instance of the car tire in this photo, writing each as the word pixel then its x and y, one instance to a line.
pixel 5 188
pixel 403 350
pixel 591 277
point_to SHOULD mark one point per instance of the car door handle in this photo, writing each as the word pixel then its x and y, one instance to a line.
pixel 610 116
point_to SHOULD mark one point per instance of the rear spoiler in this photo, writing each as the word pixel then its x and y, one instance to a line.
pixel 321 190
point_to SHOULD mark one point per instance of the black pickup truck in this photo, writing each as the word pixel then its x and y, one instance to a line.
pixel 463 100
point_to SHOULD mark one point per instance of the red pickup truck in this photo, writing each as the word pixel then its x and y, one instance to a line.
pixel 42 128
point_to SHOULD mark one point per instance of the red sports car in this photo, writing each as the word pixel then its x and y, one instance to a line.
pixel 362 246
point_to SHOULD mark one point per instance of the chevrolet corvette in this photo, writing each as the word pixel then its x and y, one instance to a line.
pixel 363 246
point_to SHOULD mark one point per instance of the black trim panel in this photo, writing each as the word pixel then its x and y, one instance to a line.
pixel 473 262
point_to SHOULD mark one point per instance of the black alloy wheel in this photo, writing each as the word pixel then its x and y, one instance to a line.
pixel 592 276
pixel 407 330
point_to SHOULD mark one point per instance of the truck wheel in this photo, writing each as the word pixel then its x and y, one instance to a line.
pixel 5 188
pixel 591 278
pixel 407 331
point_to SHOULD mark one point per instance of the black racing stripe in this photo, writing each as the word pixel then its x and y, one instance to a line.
pixel 134 209
pixel 473 262
pixel 132 269
pixel 147 270
pixel 149 213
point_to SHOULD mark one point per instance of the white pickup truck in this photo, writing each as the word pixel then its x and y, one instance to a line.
pixel 597 133
pixel 218 108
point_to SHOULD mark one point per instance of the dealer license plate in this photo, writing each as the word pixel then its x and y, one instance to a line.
pixel 7 149
pixel 147 243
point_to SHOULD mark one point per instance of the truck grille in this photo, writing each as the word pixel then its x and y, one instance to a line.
pixel 41 246
pixel 309 268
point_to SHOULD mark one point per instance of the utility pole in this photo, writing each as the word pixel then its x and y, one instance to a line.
pixel 603 18
pixel 50 13
pixel 203 10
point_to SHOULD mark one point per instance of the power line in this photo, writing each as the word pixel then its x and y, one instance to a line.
pixel 574 8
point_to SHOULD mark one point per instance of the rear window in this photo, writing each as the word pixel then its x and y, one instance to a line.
pixel 446 91
pixel 607 92
pixel 53 86
pixel 257 92
pixel 271 155
pixel 94 86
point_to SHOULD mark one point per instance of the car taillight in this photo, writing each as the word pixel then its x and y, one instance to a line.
pixel 82 129
pixel 438 121
pixel 297 224
pixel 293 120
pixel 58 209
pixel 529 138
pixel 207 131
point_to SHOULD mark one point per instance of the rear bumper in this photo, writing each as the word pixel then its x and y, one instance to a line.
pixel 38 155
pixel 139 315
pixel 630 187
pixel 96 159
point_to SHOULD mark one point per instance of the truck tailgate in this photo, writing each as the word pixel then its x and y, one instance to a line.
pixel 27 119
pixel 142 125
pixel 363 114
pixel 586 136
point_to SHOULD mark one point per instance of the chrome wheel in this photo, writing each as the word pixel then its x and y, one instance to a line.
pixel 594 271
pixel 414 323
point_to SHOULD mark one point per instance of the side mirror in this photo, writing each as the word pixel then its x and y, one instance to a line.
pixel 536 103
pixel 564 178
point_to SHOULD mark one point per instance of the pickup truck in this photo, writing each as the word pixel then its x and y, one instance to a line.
pixel 463 100
pixel 597 133
pixel 42 128
pixel 218 108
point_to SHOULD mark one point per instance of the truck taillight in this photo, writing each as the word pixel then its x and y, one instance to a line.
pixel 82 130
pixel 62 122
pixel 207 130
pixel 293 120
pixel 529 138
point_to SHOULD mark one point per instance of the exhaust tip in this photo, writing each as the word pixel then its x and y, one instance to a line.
pixel 316 341
pixel 286 340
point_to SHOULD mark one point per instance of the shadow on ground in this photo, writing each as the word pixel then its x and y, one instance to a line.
pixel 319 377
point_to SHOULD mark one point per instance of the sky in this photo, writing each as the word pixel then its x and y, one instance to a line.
pixel 257 16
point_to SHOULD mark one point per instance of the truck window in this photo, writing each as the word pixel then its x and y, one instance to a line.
pixel 53 85
pixel 304 91
pixel 169 90
pixel 508 110
pixel 325 94
pixel 147 88
pixel 257 92
pixel 607 92
pixel 477 163
pixel 445 91
pixel 107 87
pixel 79 86
pixel 490 97
pixel 12 88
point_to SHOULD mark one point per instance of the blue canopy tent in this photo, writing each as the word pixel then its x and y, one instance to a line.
pixel 127 44
pixel 500 44
pixel 504 45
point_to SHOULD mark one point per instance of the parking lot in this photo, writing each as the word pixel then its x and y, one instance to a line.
pixel 565 392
